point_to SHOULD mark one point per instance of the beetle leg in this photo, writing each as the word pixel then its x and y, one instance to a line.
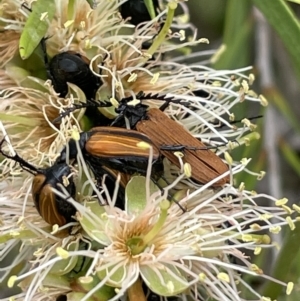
pixel 182 148
pixel 164 178
pixel 117 119
pixel 24 164
pixel 46 61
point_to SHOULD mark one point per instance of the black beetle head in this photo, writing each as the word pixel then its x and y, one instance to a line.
pixel 137 10
pixel 73 68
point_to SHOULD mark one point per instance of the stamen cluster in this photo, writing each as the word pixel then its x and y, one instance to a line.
pixel 148 235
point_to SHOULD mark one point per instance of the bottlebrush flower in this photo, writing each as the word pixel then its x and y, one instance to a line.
pixel 149 245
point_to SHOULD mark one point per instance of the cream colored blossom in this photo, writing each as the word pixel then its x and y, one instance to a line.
pixel 185 251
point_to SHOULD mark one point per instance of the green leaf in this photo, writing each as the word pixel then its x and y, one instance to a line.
pixel 237 34
pixel 286 24
pixel 36 26
pixel 64 266
pixel 116 279
pixel 89 224
pixel 164 279
pixel 85 284
pixel 104 94
pixel 241 10
pixel 282 104
pixel 290 156
pixel 135 194
pixel 253 151
pixel 22 78
pixel 295 1
pixel 21 234
pixel 285 261
pixel 78 296
pixel 59 282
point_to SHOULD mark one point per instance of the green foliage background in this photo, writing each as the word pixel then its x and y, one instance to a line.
pixel 266 35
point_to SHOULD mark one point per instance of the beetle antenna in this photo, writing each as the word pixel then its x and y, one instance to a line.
pixel 24 5
pixel 68 111
pixel 24 164
pixel 236 121
pixel 81 105
pixel 169 196
pixel 97 104
pixel 162 97
pixel 181 148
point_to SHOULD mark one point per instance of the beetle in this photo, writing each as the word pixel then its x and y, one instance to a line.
pixel 74 68
pixel 113 151
pixel 201 93
pixel 52 208
pixel 159 129
pixel 70 67
pixel 137 11
pixel 116 149
pixel 169 136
